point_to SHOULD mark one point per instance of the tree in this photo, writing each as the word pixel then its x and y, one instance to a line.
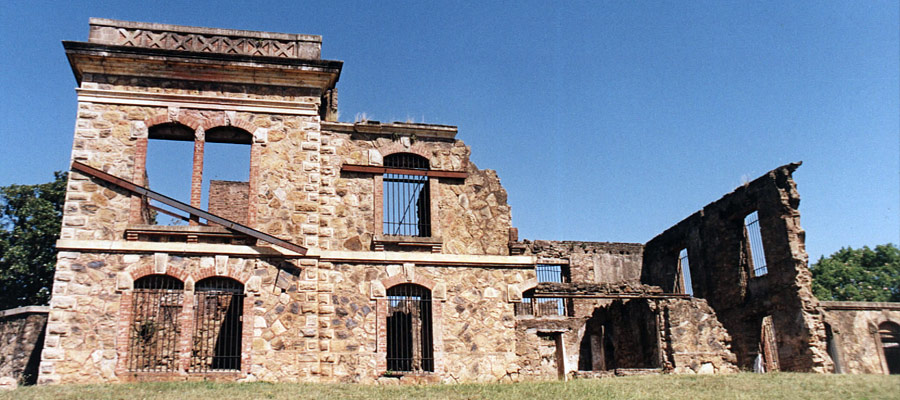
pixel 30 221
pixel 858 275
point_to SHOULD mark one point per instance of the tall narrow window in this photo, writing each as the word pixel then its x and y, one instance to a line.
pixel 754 237
pixel 218 312
pixel 889 333
pixel 685 267
pixel 409 333
pixel 407 207
pixel 153 338
pixel 168 170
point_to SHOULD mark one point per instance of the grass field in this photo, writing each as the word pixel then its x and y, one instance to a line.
pixel 740 386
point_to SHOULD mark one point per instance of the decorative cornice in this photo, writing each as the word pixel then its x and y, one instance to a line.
pixel 204 40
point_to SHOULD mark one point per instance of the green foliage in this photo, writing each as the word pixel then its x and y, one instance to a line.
pixel 30 220
pixel 858 275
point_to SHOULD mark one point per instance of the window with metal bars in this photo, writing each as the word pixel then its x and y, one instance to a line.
pixel 157 301
pixel 685 267
pixel 409 331
pixel 218 315
pixel 406 209
pixel 543 307
pixel 756 250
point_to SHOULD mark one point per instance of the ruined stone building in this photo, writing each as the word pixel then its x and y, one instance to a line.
pixel 367 251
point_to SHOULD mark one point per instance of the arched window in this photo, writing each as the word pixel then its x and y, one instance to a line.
pixel 217 337
pixel 889 333
pixel 153 339
pixel 407 207
pixel 409 332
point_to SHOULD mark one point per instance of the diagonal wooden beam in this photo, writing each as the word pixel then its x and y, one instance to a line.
pixel 142 191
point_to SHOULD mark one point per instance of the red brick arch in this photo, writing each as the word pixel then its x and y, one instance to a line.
pixel 400 279
pixel 210 272
pixel 147 270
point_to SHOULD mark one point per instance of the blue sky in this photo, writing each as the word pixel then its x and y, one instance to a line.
pixel 605 121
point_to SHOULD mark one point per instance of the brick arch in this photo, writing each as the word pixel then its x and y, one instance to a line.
pixel 210 272
pixel 394 147
pixel 182 118
pixel 400 279
pixel 147 270
pixel 222 120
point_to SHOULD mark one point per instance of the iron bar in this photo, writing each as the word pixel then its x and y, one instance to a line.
pixel 142 191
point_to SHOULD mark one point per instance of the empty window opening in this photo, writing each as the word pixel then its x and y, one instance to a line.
pixel 168 170
pixel 623 334
pixel 409 331
pixel 157 301
pixel 218 315
pixel 226 180
pixel 407 206
pixel 756 250
pixel 685 267
pixel 176 162
pixel 889 333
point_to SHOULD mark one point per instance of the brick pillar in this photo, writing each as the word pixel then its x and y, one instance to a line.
pixel 252 183
pixel 140 170
pixel 197 174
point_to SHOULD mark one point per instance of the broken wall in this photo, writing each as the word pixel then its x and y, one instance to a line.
pixel 855 345
pixel 721 270
pixel 21 342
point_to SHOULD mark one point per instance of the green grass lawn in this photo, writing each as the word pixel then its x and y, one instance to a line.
pixel 739 386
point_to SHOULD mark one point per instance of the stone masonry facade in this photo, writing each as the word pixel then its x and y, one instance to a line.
pixel 299 274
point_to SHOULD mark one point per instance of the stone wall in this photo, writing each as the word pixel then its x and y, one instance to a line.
pixel 21 342
pixel 468 216
pixel 855 346
pixel 597 262
pixel 719 259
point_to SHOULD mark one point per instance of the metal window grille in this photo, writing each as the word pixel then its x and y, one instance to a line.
pixel 543 307
pixel 218 317
pixel 409 331
pixel 407 205
pixel 153 338
pixel 685 266
pixel 757 253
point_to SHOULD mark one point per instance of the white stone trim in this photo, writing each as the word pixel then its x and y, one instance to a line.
pixel 377 257
pixel 195 102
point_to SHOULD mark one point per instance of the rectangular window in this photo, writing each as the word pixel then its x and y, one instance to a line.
pixel 685 268
pixel 754 237
pixel 555 274
pixel 406 205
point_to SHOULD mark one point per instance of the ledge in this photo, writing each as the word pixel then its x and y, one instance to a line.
pixel 195 101
pixel 372 257
pixel 400 128
pixel 859 305
pixel 25 310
